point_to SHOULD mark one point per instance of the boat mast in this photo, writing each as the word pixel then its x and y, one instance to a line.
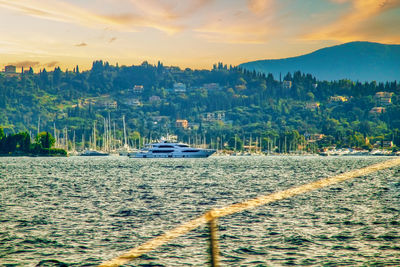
pixel 125 140
pixel 83 141
pixel 235 142
pixel 94 135
pixel 38 126
pixel 74 148
pixel 109 132
pixel 105 135
pixel 55 135
pixel 114 146
pixel 66 138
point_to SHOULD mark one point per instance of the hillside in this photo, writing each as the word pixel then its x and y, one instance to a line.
pixel 357 61
pixel 215 105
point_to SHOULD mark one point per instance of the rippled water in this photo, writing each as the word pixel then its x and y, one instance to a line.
pixel 82 211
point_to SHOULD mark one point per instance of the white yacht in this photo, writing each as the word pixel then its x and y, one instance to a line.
pixel 166 149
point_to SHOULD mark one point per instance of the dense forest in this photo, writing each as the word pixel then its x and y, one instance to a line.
pixel 219 105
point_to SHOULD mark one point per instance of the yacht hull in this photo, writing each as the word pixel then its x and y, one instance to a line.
pixel 165 149
pixel 200 154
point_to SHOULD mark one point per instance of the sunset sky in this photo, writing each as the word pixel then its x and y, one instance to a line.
pixel 185 33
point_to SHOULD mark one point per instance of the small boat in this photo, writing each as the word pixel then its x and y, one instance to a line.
pixel 166 149
pixel 93 153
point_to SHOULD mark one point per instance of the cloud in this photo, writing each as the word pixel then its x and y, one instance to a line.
pixel 350 26
pixel 158 14
pixel 170 9
pixel 25 64
pixel 255 25
pixel 52 64
pixel 81 44
pixel 234 34
pixel 259 6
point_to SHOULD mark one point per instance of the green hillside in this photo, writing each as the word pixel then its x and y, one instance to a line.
pixel 218 105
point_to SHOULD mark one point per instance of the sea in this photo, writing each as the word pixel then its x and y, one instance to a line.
pixel 81 211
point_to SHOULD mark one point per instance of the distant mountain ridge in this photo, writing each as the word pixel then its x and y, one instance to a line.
pixel 357 61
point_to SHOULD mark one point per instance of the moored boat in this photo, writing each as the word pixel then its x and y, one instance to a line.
pixel 92 153
pixel 165 149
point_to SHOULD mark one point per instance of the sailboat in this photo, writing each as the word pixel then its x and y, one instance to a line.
pixel 126 149
pixel 93 151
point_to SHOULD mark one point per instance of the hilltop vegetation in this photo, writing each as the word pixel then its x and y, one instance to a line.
pixel 219 104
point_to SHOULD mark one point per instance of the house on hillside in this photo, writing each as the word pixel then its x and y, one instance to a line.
pixel 154 98
pixel 213 116
pixel 312 106
pixel 313 137
pixel 287 84
pixel 211 86
pixel 138 89
pixel 338 99
pixel 384 144
pixel 377 110
pixel 179 87
pixel 383 98
pixel 182 124
pixel 133 102
pixel 107 104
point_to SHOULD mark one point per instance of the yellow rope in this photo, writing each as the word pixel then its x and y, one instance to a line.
pixel 235 208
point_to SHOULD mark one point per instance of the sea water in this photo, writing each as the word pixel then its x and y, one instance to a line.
pixel 81 211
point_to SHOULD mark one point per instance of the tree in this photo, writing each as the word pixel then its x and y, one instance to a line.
pixel 45 139
pixel 23 141
pixel 2 135
pixel 57 76
pixel 310 96
pixel 365 128
pixel 238 143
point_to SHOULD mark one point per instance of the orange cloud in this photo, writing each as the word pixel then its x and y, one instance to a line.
pixel 62 11
pixel 238 34
pixel 349 27
pixel 254 25
pixel 259 6
pixel 170 9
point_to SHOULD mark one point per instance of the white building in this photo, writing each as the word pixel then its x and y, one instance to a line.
pixel 179 87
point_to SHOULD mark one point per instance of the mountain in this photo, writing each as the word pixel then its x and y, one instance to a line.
pixel 357 61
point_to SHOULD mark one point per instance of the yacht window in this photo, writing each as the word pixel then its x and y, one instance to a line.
pixel 162 151
pixel 165 146
pixel 183 145
pixel 190 151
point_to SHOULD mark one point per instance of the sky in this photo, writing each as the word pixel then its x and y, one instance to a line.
pixel 189 34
